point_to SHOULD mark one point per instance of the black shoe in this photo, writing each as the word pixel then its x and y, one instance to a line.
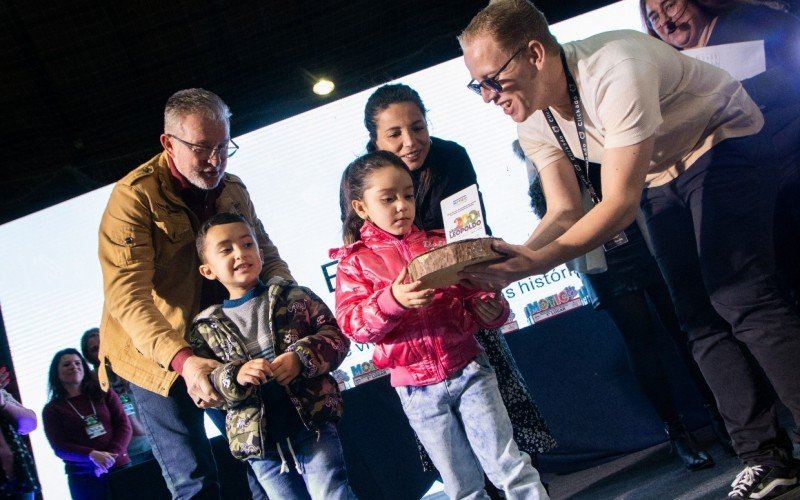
pixel 763 481
pixel 683 444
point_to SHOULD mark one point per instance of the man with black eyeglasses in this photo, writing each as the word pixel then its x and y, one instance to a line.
pixel 681 137
pixel 153 290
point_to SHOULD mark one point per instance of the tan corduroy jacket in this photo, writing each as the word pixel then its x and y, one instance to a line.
pixel 150 279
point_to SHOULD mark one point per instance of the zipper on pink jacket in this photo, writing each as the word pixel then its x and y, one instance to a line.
pixel 440 374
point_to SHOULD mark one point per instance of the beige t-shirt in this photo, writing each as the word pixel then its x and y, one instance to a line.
pixel 633 86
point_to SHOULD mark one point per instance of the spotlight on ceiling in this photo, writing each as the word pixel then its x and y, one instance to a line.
pixel 323 87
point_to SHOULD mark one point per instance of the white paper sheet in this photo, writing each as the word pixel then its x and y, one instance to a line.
pixel 742 60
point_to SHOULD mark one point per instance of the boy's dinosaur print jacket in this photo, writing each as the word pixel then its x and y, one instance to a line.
pixel 299 322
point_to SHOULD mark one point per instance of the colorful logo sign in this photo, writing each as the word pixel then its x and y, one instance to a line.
pixel 366 371
pixel 566 300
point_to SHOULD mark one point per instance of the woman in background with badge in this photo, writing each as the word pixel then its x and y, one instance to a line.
pixel 139 448
pixel 395 119
pixel 86 427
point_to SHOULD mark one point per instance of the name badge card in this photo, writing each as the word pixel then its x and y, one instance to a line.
pixel 127 404
pixel 94 427
pixel 463 218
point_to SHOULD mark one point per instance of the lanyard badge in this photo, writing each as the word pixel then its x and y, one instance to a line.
pixel 92 425
pixel 127 404
pixel 577 115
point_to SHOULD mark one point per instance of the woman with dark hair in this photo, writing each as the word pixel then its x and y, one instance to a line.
pixel 86 427
pixel 395 118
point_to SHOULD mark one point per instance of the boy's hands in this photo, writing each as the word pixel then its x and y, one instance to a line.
pixel 286 367
pixel 254 372
pixel 283 369
pixel 488 309
pixel 408 294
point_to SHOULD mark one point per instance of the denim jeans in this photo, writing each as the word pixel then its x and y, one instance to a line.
pixel 712 237
pixel 175 428
pixel 316 467
pixel 465 428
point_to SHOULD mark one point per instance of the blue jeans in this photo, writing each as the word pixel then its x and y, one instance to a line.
pixel 465 428
pixel 315 465
pixel 711 230
pixel 175 428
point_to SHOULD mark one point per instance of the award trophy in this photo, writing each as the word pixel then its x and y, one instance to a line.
pixel 467 243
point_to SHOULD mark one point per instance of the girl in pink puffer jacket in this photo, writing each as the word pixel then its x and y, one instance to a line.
pixel 424 336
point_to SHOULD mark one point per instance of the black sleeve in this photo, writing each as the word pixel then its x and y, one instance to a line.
pixel 452 171
pixel 464 175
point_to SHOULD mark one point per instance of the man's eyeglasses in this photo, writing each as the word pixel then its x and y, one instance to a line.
pixel 671 9
pixel 491 84
pixel 225 151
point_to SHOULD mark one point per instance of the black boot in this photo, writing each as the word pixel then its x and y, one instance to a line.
pixel 684 445
pixel 718 426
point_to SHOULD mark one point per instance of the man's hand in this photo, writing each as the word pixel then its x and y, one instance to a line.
pixel 195 373
pixel 286 367
pixel 488 309
pixel 519 263
pixel 254 372
pixel 408 294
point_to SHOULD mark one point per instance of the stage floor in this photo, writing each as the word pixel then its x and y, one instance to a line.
pixel 653 473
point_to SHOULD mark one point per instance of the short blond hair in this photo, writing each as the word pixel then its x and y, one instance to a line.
pixel 513 23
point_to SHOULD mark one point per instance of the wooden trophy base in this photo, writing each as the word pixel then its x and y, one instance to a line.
pixel 439 267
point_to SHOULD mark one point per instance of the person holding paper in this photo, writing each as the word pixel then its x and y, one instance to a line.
pixel 694 24
pixel 396 120
pixel 680 137
pixel 690 24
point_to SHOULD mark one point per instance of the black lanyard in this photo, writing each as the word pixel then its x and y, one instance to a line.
pixel 577 115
